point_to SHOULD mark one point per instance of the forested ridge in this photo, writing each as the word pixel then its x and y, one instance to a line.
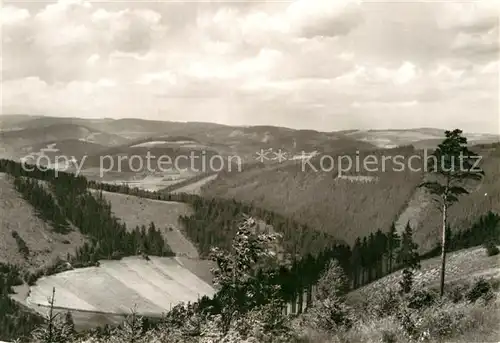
pixel 212 224
pixel 43 202
pixel 67 199
pixel 371 257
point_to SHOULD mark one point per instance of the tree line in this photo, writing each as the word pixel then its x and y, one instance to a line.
pixel 212 224
pixel 371 257
pixel 43 202
pixel 68 199
pixel 15 321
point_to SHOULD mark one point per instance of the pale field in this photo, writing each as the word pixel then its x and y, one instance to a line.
pixel 135 211
pixel 195 187
pixel 149 184
pixel 116 287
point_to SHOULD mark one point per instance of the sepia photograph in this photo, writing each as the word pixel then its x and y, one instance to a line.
pixel 250 171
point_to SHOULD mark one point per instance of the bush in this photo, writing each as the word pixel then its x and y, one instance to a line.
pixel 421 298
pixel 491 249
pixel 457 293
pixel 30 279
pixel 385 303
pixel 481 289
pixel 21 245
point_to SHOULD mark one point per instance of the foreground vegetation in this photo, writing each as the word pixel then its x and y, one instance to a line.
pixel 249 309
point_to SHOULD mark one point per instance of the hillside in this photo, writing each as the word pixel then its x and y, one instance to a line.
pixel 361 201
pixel 21 142
pixel 461 265
pixel 208 223
pixel 135 211
pixel 116 287
pixel 345 207
pixel 483 197
pixel 44 245
pixel 77 148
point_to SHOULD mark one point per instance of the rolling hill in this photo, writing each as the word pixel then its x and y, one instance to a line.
pixel 20 143
pixel 30 242
pixel 354 205
pixel 345 207
pixel 135 211
pixel 43 243
pixel 420 138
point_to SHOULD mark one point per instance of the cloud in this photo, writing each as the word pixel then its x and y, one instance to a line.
pixel 11 15
pixel 471 17
pixel 317 64
pixel 323 17
pixel 65 35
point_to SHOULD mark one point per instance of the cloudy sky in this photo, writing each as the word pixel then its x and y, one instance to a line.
pixel 326 65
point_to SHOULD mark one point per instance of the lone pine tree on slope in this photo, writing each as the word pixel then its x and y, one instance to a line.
pixel 451 165
pixel 408 257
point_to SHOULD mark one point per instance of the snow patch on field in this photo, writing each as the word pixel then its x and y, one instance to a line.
pixel 149 144
pixel 151 287
pixel 195 187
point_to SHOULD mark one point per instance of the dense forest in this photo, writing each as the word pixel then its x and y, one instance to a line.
pixel 15 321
pixel 43 202
pixel 369 258
pixel 308 251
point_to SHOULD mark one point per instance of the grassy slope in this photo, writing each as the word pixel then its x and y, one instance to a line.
pixel 484 197
pixel 18 215
pixel 135 211
pixel 463 264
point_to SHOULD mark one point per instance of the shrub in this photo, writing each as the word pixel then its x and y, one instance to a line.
pixel 491 249
pixel 481 289
pixel 421 298
pixel 384 303
pixel 457 293
pixel 30 279
pixel 21 245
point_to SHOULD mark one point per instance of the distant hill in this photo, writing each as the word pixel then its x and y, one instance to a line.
pixel 27 139
pixel 420 138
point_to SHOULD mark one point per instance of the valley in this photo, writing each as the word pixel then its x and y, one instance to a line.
pixel 127 240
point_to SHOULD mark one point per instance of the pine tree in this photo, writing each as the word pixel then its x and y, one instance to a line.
pixel 56 330
pixel 356 263
pixel 393 243
pixel 452 165
pixel 131 330
pixel 380 251
pixel 330 311
pixel 236 272
pixel 408 257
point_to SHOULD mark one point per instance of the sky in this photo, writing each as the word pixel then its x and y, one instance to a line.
pixel 313 64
